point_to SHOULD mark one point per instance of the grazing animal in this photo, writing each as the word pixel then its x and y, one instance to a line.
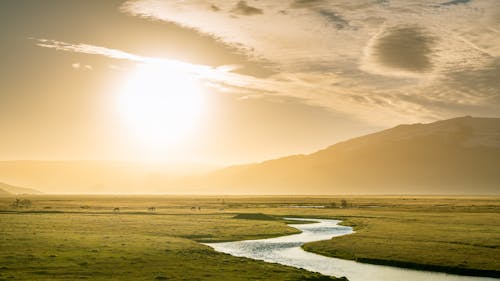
pixel 116 210
pixel 152 209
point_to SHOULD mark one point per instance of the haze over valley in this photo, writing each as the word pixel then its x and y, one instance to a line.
pixel 459 156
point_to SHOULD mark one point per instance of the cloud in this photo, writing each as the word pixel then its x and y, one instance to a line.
pixel 455 2
pixel 302 38
pixel 406 48
pixel 221 77
pixel 79 66
pixel 333 17
pixel 214 8
pixel 393 59
pixel 87 49
pixel 242 8
pixel 306 3
pixel 196 69
pixel 383 61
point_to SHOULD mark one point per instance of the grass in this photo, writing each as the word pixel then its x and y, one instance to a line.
pixel 256 216
pixel 94 243
pixel 81 237
pixel 461 242
pixel 457 235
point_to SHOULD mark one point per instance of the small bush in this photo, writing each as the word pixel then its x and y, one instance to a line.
pixel 255 216
pixel 24 203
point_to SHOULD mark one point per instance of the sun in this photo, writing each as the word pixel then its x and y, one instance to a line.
pixel 160 104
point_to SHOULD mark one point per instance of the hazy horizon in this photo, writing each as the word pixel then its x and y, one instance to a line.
pixel 457 156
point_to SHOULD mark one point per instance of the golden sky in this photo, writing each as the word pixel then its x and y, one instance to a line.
pixel 224 82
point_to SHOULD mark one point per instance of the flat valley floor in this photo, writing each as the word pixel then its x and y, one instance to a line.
pixel 158 237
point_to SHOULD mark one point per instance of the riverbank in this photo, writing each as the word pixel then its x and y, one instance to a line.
pixel 459 238
pixel 287 250
pixel 75 237
pixel 404 264
pixel 78 237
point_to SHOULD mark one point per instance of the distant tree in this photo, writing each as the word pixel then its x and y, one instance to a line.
pixel 343 203
pixel 16 203
pixel 24 203
pixel 333 205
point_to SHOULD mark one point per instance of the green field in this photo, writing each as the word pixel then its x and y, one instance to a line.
pixel 459 236
pixel 83 237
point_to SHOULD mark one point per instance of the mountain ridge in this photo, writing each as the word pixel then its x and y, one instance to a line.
pixel 454 156
pixel 7 189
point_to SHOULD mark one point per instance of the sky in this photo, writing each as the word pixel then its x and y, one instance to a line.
pixel 226 82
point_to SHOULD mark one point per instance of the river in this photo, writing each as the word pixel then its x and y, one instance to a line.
pixel 286 250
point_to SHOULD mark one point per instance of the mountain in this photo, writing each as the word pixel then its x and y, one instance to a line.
pixel 6 189
pixel 3 192
pixel 455 156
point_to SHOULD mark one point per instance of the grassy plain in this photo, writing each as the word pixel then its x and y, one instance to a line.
pixel 460 235
pixel 72 238
pixel 82 237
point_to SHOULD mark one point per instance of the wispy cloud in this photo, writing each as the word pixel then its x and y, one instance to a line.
pixel 242 8
pixel 202 71
pixel 78 66
pixel 88 49
pixel 221 77
pixel 383 61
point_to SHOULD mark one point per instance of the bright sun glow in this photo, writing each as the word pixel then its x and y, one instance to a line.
pixel 161 104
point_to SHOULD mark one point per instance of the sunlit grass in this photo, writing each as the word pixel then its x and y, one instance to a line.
pixel 82 237
pixel 95 243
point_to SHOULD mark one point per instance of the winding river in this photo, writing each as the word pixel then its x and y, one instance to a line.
pixel 286 250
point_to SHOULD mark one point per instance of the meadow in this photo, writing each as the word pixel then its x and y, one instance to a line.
pixel 157 237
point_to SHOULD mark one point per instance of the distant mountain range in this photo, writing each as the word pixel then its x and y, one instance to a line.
pixel 6 189
pixel 3 192
pixel 455 156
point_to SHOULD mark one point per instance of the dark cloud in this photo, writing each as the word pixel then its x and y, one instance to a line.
pixel 243 9
pixel 480 83
pixel 405 48
pixel 214 8
pixel 455 2
pixel 329 15
pixel 334 18
pixel 305 3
